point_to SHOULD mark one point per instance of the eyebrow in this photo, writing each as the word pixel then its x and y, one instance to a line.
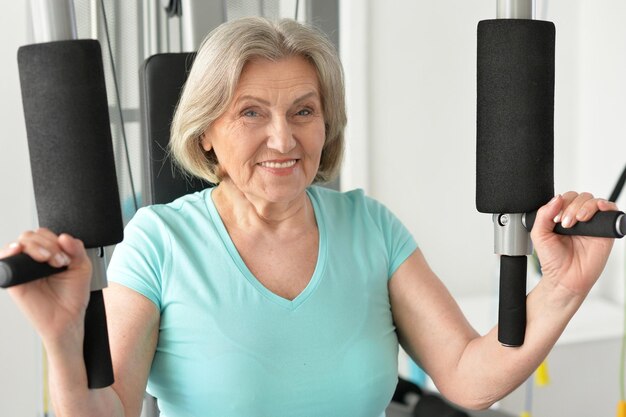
pixel 267 103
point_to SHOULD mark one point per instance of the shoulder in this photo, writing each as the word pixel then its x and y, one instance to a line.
pixel 193 204
pixel 365 221
pixel 351 206
pixel 185 203
pixel 353 198
pixel 333 198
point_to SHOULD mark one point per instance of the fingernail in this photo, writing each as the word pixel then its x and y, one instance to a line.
pixel 567 221
pixel 14 245
pixel 582 214
pixel 557 218
pixel 62 259
pixel 44 252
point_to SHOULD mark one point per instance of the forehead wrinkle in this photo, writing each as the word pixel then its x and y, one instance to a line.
pixel 255 77
pixel 304 97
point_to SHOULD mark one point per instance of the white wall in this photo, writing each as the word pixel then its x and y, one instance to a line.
pixel 422 132
pixel 602 137
pixel 419 121
pixel 419 129
pixel 20 356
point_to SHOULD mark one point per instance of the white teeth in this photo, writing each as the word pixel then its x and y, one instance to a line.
pixel 285 164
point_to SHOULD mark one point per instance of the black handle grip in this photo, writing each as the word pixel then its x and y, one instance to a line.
pixel 96 351
pixel 512 306
pixel 603 224
pixel 21 268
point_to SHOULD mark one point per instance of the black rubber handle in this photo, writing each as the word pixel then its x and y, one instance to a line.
pixel 603 224
pixel 21 268
pixel 512 307
pixel 96 351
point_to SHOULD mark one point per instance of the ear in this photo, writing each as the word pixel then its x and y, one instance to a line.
pixel 205 142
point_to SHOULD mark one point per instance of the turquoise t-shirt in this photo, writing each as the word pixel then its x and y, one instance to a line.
pixel 229 347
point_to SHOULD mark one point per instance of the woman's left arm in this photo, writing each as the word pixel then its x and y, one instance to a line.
pixel 475 371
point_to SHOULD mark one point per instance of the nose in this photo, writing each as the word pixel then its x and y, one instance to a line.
pixel 280 136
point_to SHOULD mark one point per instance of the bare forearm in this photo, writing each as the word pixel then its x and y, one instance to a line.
pixel 570 266
pixel 474 370
pixel 487 371
pixel 68 382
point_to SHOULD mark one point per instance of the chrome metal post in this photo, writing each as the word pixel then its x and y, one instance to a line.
pixel 53 20
pixel 510 236
pixel 198 19
pixel 515 9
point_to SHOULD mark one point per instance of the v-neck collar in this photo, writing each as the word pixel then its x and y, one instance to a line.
pixel 247 274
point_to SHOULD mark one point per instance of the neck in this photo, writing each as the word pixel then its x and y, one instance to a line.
pixel 242 210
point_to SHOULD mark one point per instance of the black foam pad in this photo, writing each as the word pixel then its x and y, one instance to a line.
pixel 162 79
pixel 515 115
pixel 69 140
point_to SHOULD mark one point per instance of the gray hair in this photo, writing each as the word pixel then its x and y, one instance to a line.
pixel 214 76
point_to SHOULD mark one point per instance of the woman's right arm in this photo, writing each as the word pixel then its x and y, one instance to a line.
pixel 56 307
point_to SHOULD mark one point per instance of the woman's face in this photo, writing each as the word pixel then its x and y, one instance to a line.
pixel 269 140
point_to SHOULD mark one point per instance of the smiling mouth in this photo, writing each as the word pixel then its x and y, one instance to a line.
pixel 274 164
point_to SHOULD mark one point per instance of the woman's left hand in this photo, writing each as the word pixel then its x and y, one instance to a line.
pixel 572 262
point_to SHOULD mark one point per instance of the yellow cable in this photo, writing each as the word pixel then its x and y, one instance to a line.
pixel 526 414
pixel 621 408
pixel 46 391
pixel 542 377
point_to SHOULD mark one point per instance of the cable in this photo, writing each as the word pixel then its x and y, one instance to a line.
pixel 174 8
pixel 119 105
pixel 621 405
pixel 542 376
pixel 46 387
pixel 618 187
pixel 622 388
pixel 528 399
pixel 297 8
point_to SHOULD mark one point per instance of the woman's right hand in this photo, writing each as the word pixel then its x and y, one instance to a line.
pixel 56 304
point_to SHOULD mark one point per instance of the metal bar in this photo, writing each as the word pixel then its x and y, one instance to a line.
pixel 152 40
pixel 515 9
pixel 95 19
pixel 130 115
pixel 53 20
pixel 198 19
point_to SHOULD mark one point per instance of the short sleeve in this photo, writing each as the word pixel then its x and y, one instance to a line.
pixel 138 262
pixel 399 242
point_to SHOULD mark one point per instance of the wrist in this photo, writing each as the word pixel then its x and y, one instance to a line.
pixel 65 341
pixel 552 300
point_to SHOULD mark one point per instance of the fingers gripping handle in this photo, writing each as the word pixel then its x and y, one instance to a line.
pixel 20 269
pixel 512 304
pixel 611 224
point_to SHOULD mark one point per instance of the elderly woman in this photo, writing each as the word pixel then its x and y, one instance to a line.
pixel 270 296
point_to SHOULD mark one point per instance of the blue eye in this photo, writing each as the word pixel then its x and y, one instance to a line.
pixel 304 112
pixel 249 113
